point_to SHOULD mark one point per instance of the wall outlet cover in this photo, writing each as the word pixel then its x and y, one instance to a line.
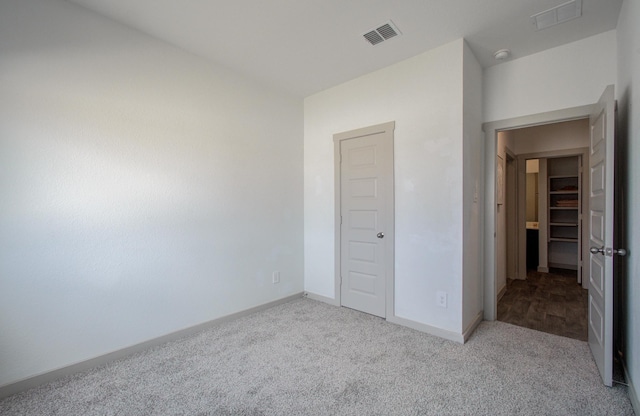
pixel 441 299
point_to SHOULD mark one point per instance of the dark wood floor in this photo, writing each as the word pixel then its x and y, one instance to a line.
pixel 548 302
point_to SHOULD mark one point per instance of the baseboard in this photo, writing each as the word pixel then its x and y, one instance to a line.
pixel 472 327
pixel 563 266
pixel 46 377
pixel 631 390
pixel 321 298
pixel 543 269
pixel 431 330
pixel 502 292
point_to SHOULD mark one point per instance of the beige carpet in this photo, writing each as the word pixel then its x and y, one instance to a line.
pixel 309 358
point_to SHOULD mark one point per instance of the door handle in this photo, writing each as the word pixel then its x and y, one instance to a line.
pixel 380 235
pixel 608 251
pixel 620 252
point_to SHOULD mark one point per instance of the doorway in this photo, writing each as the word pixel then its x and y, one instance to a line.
pixel 365 209
pixel 491 288
pixel 544 248
pixel 602 249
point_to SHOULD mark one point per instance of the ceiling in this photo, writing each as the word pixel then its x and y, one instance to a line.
pixel 305 46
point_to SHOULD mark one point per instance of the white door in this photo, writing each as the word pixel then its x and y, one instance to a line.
pixel 366 211
pixel 601 221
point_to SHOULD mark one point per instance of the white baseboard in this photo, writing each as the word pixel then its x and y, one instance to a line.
pixel 472 326
pixel 631 390
pixel 431 330
pixel 543 269
pixel 46 377
pixel 321 298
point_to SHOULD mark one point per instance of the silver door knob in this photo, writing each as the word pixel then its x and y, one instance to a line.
pixel 380 235
pixel 596 250
pixel 620 252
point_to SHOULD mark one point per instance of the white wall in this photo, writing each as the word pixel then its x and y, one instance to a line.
pixel 628 95
pixel 143 190
pixel 568 76
pixel 572 134
pixel 423 95
pixel 473 189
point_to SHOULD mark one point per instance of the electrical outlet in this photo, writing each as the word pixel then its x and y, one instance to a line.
pixel 275 277
pixel 475 192
pixel 441 299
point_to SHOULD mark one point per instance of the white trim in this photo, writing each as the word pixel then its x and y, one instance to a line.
pixel 472 327
pixel 320 298
pixel 512 211
pixel 521 221
pixel 631 390
pixel 46 377
pixel 431 330
pixel 490 129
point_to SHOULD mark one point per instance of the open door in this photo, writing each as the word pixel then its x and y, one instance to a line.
pixel 601 221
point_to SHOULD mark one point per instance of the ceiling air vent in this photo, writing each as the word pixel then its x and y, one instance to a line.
pixel 382 33
pixel 559 14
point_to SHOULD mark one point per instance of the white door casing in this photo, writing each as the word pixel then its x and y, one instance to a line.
pixel 364 208
pixel 491 130
pixel 601 226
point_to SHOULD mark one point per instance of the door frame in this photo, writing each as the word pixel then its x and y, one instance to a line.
pixel 491 130
pixel 583 154
pixel 389 235
pixel 512 212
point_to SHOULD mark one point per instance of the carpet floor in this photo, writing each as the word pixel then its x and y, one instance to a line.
pixel 309 358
